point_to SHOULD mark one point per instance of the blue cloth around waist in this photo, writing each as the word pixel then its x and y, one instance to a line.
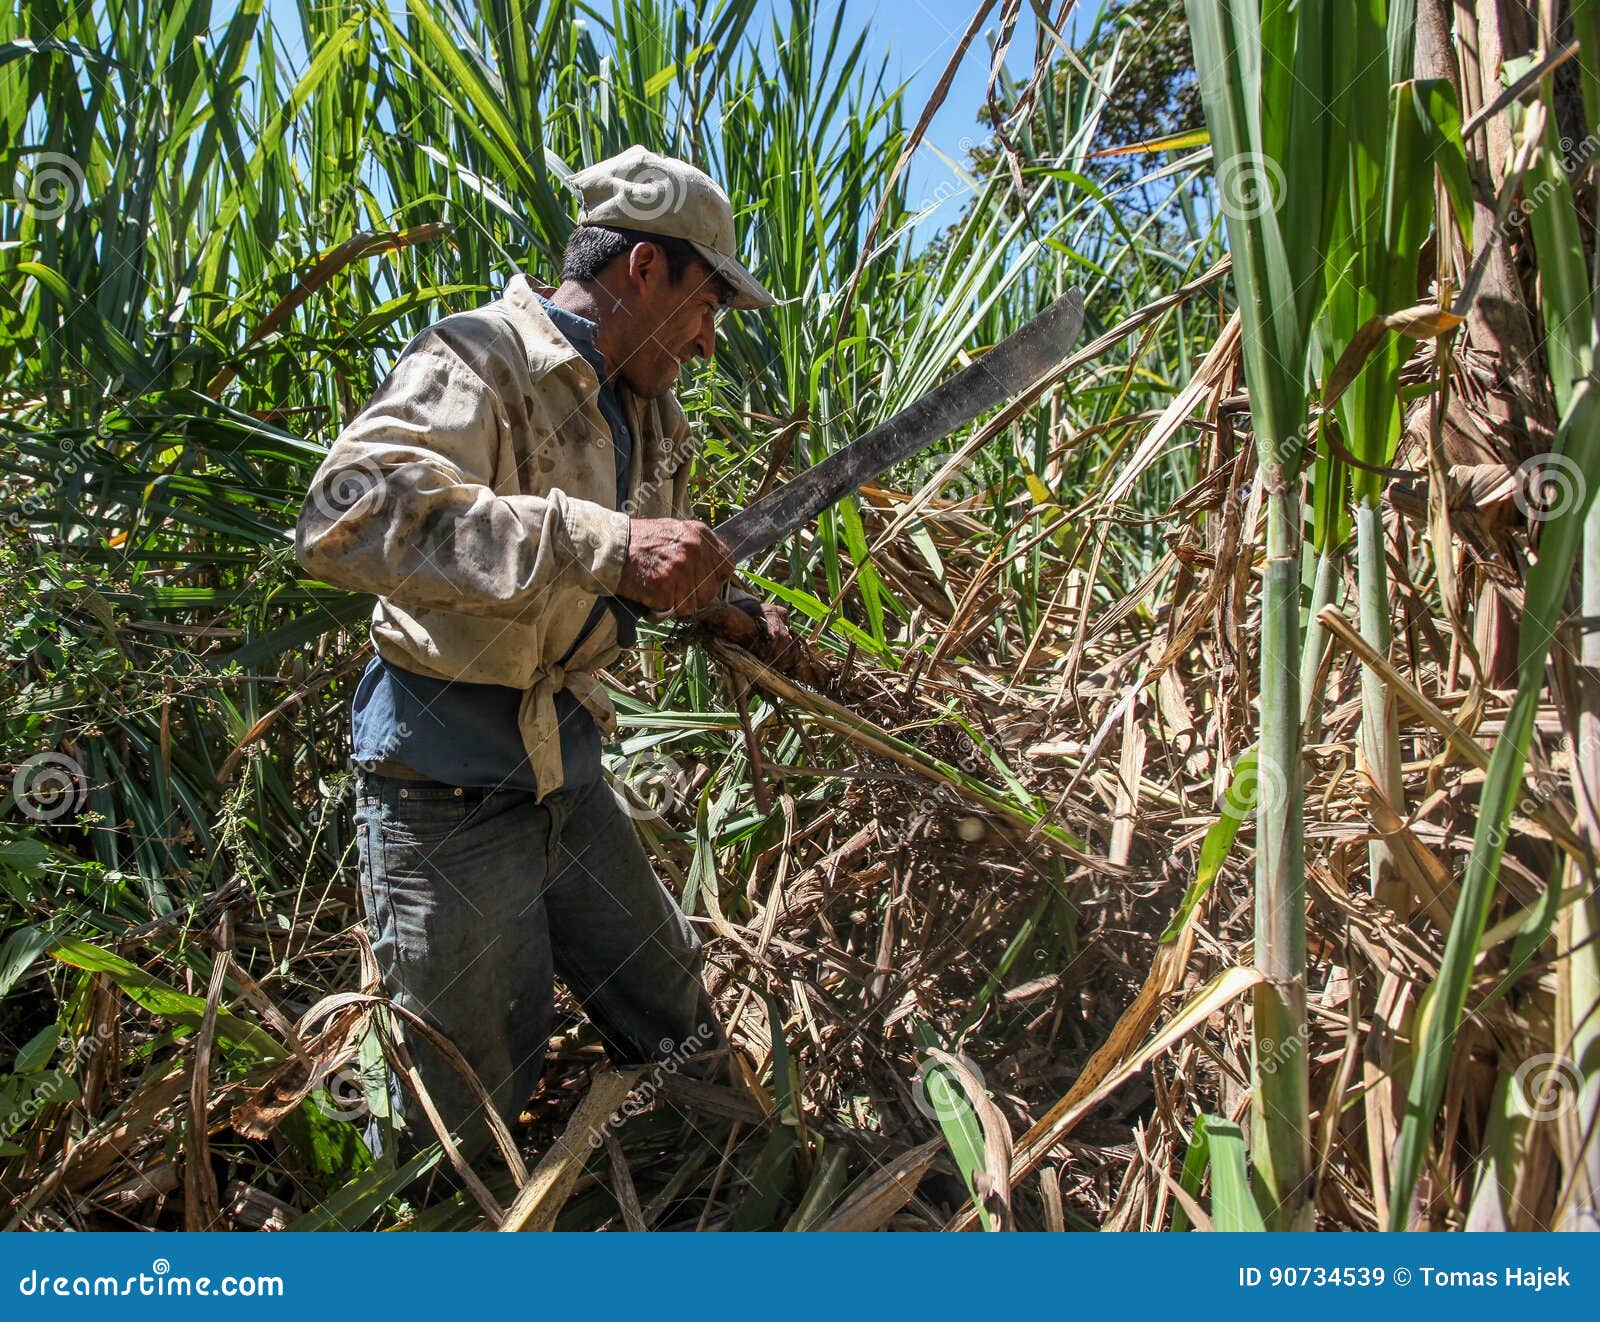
pixel 462 734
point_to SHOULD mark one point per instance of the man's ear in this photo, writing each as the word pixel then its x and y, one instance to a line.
pixel 646 263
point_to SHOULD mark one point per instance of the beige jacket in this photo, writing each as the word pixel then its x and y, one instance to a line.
pixel 476 493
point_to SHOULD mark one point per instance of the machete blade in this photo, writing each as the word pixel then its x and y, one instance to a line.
pixel 1000 375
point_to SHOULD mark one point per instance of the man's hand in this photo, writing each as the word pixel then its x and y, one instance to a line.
pixel 674 565
pixel 760 627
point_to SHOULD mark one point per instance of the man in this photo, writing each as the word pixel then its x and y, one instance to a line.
pixel 523 467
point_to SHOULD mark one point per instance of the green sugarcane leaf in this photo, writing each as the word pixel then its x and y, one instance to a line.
pixel 1440 114
pixel 91 329
pixel 1233 1205
pixel 957 1120
pixel 1196 1161
pixel 161 999
pixel 1238 802
pixel 1578 453
pixel 357 1202
pixel 37 1050
pixel 22 947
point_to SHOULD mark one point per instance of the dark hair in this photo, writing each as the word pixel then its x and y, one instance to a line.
pixel 592 248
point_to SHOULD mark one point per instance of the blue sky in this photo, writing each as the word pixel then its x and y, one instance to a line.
pixel 917 36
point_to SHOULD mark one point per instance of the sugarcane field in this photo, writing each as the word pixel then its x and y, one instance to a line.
pixel 801 615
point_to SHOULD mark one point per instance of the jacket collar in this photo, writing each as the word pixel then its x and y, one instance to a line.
pixel 546 346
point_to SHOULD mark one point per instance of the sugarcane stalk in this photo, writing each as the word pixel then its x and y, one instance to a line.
pixel 1280 1139
pixel 1324 586
pixel 1578 979
pixel 1380 743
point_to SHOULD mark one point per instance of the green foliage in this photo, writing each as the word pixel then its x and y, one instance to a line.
pixel 226 244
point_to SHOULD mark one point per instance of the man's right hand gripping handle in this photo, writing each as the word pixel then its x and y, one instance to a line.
pixel 676 566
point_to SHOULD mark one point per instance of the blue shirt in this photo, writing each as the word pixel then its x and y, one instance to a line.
pixel 466 734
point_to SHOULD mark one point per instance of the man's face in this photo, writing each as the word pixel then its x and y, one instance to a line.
pixel 664 322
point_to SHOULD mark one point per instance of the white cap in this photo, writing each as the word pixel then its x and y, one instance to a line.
pixel 639 190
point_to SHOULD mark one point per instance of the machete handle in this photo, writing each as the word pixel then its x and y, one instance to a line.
pixel 636 611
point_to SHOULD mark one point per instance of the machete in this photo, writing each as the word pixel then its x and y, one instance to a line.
pixel 999 376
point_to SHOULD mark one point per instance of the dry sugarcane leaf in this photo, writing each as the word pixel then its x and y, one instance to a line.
pixel 264 1107
pixel 1428 879
pixel 201 1208
pixel 1113 1069
pixel 93 1158
pixel 249 1208
pixel 1218 364
pixel 993 1182
pixel 886 1191
pixel 547 1189
pixel 330 1005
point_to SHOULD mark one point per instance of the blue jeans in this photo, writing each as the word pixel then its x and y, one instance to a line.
pixel 476 900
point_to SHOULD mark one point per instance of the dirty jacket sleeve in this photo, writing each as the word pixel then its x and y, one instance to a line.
pixel 404 506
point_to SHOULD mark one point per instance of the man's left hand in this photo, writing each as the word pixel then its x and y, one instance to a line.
pixel 761 627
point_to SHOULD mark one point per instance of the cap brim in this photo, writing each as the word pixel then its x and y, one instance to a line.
pixel 748 292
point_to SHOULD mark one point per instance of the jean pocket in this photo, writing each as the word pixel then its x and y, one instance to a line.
pixel 423 813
